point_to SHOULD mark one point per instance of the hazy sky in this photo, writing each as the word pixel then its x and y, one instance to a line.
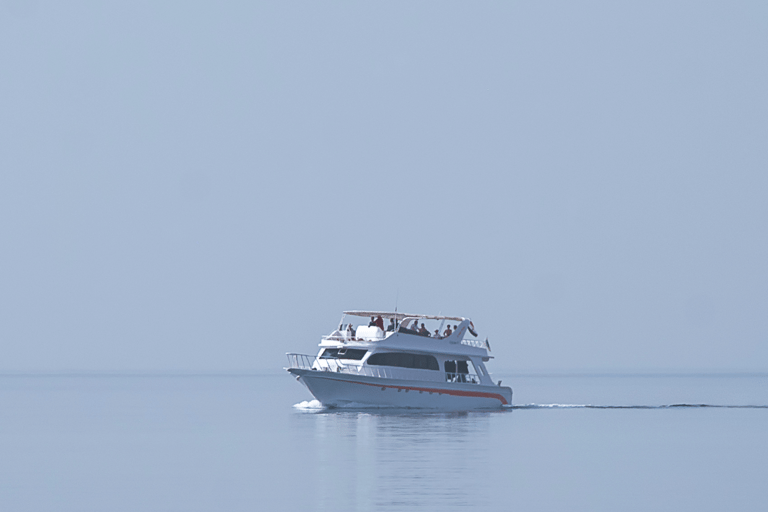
pixel 205 186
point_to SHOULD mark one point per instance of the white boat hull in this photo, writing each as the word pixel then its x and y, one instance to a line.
pixel 343 389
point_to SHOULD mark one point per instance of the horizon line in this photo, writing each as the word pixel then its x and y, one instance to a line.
pixel 262 372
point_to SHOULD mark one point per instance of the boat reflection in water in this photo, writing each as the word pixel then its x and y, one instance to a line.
pixel 406 460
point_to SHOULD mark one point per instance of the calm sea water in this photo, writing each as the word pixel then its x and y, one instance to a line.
pixel 239 443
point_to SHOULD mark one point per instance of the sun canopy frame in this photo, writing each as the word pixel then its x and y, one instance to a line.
pixel 401 316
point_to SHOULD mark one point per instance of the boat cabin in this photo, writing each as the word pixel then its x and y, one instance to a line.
pixel 406 346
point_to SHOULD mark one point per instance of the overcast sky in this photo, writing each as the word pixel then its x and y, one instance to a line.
pixel 205 186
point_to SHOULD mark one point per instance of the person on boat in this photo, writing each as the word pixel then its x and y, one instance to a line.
pixel 448 331
pixel 423 330
pixel 350 331
pixel 437 334
pixel 405 328
pixel 391 326
pixel 380 322
pixel 372 322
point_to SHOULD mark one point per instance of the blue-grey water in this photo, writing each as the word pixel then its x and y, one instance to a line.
pixel 238 443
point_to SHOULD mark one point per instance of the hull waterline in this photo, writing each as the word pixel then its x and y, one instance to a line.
pixel 341 389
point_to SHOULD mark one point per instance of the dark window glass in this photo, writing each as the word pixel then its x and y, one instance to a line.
pixel 355 354
pixel 404 360
pixel 458 371
pixel 457 367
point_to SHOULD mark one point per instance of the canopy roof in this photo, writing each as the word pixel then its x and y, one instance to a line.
pixel 400 316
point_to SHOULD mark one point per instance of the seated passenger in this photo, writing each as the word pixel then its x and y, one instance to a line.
pixel 405 329
pixel 447 332
pixel 391 326
pixel 423 331
pixel 372 322
pixel 380 322
pixel 350 331
pixel 437 334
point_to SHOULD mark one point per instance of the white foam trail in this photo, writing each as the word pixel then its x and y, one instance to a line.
pixel 311 405
pixel 316 406
pixel 549 406
pixel 669 406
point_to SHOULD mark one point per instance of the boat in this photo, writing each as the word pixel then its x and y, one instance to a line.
pixel 403 365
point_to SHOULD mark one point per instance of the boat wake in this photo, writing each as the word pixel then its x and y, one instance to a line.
pixel 310 405
pixel 316 406
pixel 669 406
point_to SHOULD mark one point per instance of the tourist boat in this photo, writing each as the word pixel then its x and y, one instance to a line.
pixel 403 365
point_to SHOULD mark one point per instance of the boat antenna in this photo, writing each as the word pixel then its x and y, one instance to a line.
pixel 397 296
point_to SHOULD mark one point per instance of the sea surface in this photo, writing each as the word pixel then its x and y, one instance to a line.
pixel 257 442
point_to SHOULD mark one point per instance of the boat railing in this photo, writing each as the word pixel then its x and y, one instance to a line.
pixel 308 362
pixel 468 378
pixel 374 371
pixel 474 343
pixel 346 337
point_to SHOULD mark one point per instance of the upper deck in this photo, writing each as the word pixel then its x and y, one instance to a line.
pixel 409 332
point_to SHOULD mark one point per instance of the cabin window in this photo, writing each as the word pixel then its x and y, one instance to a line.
pixel 354 354
pixel 458 371
pixel 404 360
